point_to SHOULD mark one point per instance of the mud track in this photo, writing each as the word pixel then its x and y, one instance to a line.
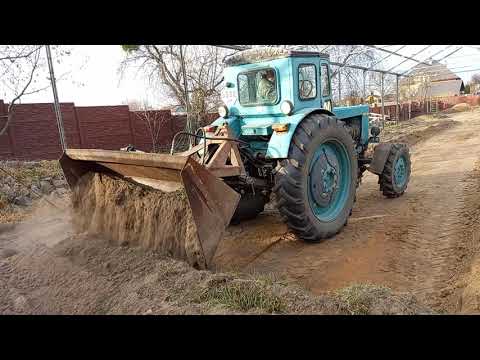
pixel 415 243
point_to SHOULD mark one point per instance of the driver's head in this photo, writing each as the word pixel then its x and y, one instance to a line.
pixel 270 75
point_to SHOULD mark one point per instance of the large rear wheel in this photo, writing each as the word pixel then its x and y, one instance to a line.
pixel 315 187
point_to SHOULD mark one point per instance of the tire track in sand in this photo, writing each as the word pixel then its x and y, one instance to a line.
pixel 413 243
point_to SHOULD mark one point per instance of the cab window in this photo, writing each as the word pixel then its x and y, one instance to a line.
pixel 307 81
pixel 258 87
pixel 325 80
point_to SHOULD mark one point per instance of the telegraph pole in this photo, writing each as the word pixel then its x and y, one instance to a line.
pixel 190 127
pixel 56 104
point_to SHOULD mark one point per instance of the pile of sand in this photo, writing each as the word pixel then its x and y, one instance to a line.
pixel 459 108
pixel 131 214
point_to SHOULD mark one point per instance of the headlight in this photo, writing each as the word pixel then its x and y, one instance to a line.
pixel 287 107
pixel 223 111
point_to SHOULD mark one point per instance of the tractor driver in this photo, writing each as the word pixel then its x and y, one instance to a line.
pixel 267 91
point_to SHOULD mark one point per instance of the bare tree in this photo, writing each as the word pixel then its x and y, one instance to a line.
pixel 133 105
pixel 18 69
pixel 163 64
pixel 347 82
pixel 475 79
pixel 154 121
pixel 21 75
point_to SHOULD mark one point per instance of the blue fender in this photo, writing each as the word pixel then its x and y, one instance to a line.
pixel 279 143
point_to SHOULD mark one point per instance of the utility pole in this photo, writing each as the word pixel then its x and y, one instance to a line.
pixel 398 101
pixel 56 104
pixel 185 86
pixel 364 87
pixel 383 103
pixel 339 88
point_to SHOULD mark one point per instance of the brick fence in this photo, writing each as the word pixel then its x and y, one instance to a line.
pixel 33 132
pixel 417 108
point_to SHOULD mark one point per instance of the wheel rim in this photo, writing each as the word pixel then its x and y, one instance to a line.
pixel 329 180
pixel 400 172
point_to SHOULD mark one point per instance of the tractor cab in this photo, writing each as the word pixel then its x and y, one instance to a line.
pixel 269 91
pixel 276 82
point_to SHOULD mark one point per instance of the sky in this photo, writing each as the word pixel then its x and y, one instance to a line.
pixel 93 78
pixel 93 73
pixel 464 62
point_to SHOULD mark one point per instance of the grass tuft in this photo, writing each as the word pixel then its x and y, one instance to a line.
pixel 357 299
pixel 243 295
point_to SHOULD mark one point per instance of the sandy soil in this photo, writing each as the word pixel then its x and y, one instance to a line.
pixel 47 268
pixel 415 243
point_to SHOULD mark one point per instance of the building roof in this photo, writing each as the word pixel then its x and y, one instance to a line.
pixel 447 88
pixel 436 70
pixel 435 80
pixel 256 55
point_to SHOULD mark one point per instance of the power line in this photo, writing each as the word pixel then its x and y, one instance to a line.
pixel 241 47
pixel 444 72
pixel 386 57
pixel 465 56
pixel 438 52
pixel 433 70
pixel 407 58
pixel 453 52
pixel 396 53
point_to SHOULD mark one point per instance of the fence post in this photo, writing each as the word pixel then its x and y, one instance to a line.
pixel 339 87
pixel 397 108
pixel 364 86
pixel 383 102
pixel 10 131
pixel 131 124
pixel 79 128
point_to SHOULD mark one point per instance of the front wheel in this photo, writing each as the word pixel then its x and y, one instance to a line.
pixel 315 187
pixel 396 173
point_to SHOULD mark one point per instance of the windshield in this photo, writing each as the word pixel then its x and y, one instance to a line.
pixel 257 87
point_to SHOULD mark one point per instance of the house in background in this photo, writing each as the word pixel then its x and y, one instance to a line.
pixel 433 81
pixel 177 110
pixel 474 89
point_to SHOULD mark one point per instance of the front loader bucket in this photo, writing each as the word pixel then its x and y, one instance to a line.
pixel 212 202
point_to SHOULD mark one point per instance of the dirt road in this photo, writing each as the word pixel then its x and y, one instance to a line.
pixel 421 243
pixel 415 243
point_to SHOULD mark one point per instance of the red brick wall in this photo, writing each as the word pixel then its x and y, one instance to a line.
pixel 170 126
pixel 104 127
pixel 33 132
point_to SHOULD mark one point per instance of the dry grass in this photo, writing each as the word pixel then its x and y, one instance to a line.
pixel 33 172
pixel 28 174
pixel 358 299
pixel 243 295
pixel 11 216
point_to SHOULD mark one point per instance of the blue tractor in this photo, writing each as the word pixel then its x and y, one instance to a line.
pixel 295 144
pixel 279 133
